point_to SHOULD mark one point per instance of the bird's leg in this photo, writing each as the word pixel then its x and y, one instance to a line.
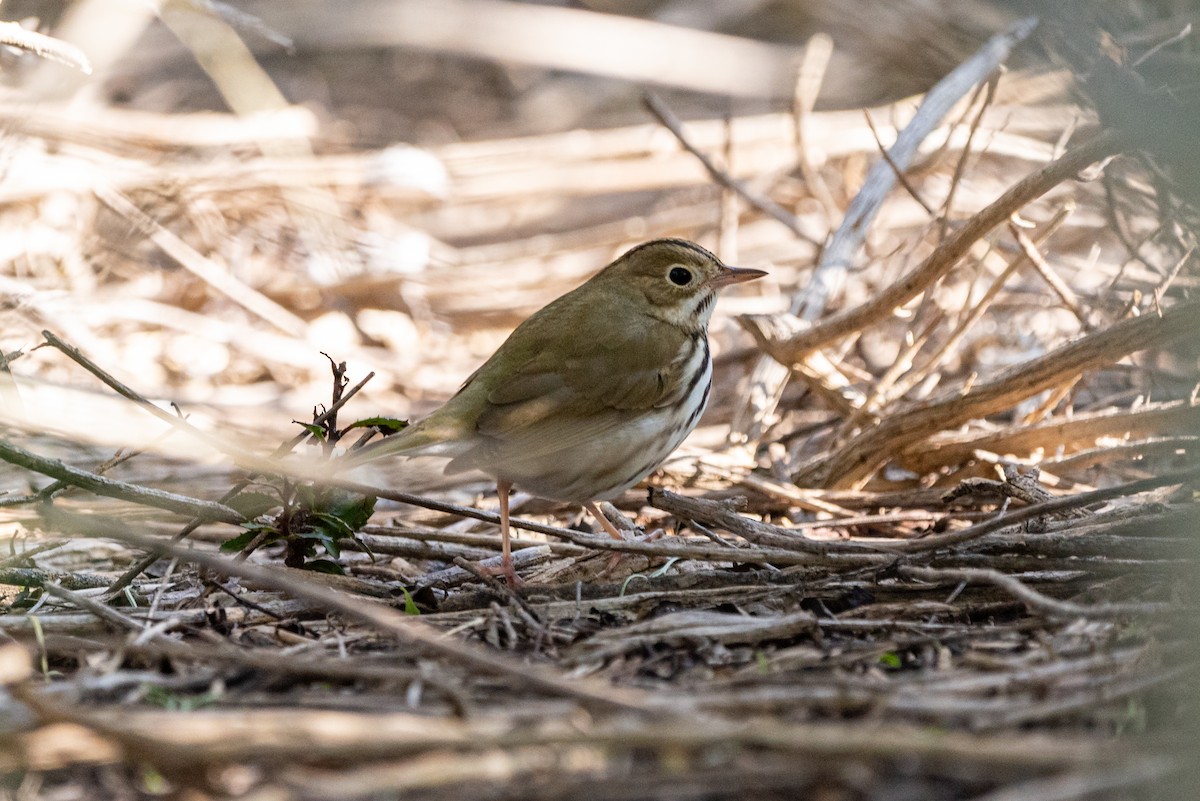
pixel 506 564
pixel 604 522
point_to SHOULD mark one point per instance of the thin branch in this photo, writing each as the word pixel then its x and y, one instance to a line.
pixel 13 35
pixel 1031 598
pixel 756 199
pixel 940 262
pixel 159 499
pixel 897 173
pixel 375 615
pixel 903 429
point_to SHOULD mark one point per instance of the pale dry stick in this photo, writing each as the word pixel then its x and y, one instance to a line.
pixel 817 52
pixel 102 611
pixel 1036 601
pixel 208 271
pixel 159 499
pixel 724 515
pixel 481 541
pixel 1060 288
pixel 1075 785
pixel 462 573
pixel 1172 274
pixel 37 577
pixel 870 408
pixel 1162 447
pixel 640 51
pixel 84 624
pixel 1159 418
pixel 941 261
pixel 1005 713
pixel 477 750
pixel 270 660
pixel 809 500
pixel 1054 397
pixel 727 236
pixel 758 555
pixel 1101 665
pixel 488 173
pixel 937 102
pixel 915 376
pixel 23 556
pixel 960 166
pixel 1092 697
pixel 56 487
pixel 756 199
pixel 13 35
pixel 111 129
pixel 1183 34
pixel 413 548
pixel 1062 504
pixel 767 382
pixel 897 173
pixel 382 618
pixel 248 89
pixel 851 464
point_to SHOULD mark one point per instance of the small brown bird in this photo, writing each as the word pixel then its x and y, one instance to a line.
pixel 591 393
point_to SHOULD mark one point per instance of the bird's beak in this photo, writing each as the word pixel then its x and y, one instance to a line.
pixel 734 275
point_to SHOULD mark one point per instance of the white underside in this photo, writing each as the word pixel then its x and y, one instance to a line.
pixel 624 457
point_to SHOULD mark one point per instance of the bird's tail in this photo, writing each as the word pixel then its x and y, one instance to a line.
pixel 429 437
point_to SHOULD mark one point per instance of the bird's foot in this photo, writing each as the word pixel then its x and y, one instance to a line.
pixel 615 557
pixel 505 569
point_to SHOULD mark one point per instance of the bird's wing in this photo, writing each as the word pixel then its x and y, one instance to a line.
pixel 552 402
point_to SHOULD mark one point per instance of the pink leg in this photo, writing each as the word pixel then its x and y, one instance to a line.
pixel 604 522
pixel 506 564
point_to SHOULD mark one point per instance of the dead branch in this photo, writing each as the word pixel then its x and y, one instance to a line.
pixel 906 427
pixel 791 350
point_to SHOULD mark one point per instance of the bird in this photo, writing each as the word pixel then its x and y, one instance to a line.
pixel 591 393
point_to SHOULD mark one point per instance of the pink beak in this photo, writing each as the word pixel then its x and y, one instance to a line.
pixel 734 275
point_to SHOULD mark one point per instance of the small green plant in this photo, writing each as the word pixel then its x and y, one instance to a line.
pixel 890 659
pixel 309 519
pixel 311 522
pixel 410 606
pixel 179 702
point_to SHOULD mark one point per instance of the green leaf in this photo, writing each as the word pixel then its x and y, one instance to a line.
pixel 390 424
pixel 236 544
pixel 306 497
pixel 328 539
pixel 363 544
pixel 331 525
pixel 253 504
pixel 324 566
pixel 890 659
pixel 315 431
pixel 410 606
pixel 353 510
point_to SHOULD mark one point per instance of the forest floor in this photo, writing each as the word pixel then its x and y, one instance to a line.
pixel 946 552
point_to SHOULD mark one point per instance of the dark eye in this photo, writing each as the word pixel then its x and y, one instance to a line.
pixel 680 276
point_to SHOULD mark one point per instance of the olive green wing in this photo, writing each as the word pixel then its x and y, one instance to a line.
pixel 552 401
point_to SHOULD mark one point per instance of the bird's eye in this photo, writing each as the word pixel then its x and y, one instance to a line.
pixel 680 276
